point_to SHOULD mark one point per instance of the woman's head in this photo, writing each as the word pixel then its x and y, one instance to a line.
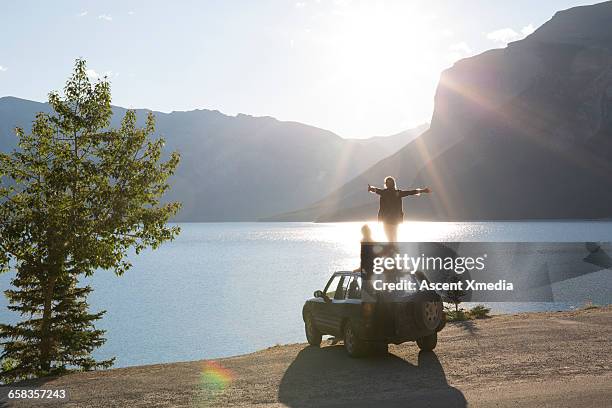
pixel 390 182
pixel 366 232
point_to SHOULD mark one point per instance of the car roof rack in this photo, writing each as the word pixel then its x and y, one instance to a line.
pixel 345 273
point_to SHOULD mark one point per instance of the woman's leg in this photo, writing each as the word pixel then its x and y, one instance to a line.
pixel 391 232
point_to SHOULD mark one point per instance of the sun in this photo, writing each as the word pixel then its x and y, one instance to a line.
pixel 379 58
pixel 377 39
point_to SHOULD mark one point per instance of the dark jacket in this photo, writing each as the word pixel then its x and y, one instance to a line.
pixel 367 260
pixel 390 211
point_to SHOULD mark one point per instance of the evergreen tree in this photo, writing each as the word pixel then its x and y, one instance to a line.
pixel 456 296
pixel 75 197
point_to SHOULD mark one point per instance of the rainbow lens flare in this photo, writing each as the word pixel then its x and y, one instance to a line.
pixel 215 377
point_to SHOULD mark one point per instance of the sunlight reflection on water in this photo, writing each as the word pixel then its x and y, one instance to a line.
pixel 222 289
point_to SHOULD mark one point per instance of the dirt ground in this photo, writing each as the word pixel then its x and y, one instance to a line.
pixel 535 359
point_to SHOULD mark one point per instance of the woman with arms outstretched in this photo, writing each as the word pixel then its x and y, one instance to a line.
pixel 390 212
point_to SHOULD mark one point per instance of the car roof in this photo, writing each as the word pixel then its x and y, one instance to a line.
pixel 346 273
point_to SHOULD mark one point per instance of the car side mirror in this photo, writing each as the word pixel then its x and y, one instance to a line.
pixel 319 294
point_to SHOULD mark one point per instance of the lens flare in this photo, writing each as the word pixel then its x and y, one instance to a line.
pixel 215 377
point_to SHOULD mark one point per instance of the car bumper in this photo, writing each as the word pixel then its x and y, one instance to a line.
pixel 396 321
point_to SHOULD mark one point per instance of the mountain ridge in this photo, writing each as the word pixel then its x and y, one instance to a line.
pixel 239 168
pixel 523 132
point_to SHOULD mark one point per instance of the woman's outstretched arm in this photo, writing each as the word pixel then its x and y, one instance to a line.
pixel 373 189
pixel 404 193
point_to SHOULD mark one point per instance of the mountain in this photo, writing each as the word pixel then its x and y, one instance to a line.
pixel 523 132
pixel 391 144
pixel 241 168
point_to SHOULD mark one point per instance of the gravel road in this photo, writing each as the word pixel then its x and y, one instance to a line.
pixel 558 359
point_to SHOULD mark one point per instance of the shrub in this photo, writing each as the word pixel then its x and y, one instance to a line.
pixel 458 315
pixel 454 314
pixel 588 305
pixel 479 312
pixel 7 371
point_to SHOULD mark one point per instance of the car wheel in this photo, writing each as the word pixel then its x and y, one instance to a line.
pixel 428 343
pixel 313 335
pixel 353 346
pixel 429 315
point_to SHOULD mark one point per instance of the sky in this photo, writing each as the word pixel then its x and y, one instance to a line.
pixel 357 68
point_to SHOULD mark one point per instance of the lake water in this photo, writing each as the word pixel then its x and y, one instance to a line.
pixel 222 289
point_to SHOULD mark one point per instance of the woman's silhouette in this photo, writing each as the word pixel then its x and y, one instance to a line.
pixel 390 212
pixel 367 253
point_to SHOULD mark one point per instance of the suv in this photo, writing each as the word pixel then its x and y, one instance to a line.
pixel 369 325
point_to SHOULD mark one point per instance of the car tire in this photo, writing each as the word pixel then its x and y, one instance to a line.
pixel 428 343
pixel 313 335
pixel 379 349
pixel 353 346
pixel 428 315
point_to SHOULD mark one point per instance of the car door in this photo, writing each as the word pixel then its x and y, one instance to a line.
pixel 338 307
pixel 352 307
pixel 333 310
pixel 323 311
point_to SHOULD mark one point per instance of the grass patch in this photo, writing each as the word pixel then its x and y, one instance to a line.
pixel 479 312
pixel 461 315
pixel 588 305
pixel 457 315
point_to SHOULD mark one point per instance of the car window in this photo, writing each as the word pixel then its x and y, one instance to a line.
pixel 354 288
pixel 342 288
pixel 330 291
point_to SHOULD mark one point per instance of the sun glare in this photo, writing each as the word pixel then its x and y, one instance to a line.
pixel 376 39
pixel 380 56
pixel 347 235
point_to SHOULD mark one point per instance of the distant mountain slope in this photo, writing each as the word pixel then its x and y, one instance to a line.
pixel 523 132
pixel 391 144
pixel 241 168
